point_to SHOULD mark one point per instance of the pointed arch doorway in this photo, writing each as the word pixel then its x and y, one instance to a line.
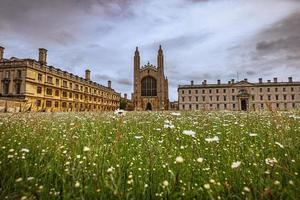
pixel 148 106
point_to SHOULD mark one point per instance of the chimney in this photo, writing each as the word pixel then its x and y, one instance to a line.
pixel 275 80
pixel 260 80
pixel 232 80
pixel 229 82
pixel 205 82
pixel 219 82
pixel 88 75
pixel 109 84
pixel 125 96
pixel 1 52
pixel 192 82
pixel 269 81
pixel 245 79
pixel 290 79
pixel 43 56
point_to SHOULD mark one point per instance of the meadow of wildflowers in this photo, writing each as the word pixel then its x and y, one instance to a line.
pixel 150 155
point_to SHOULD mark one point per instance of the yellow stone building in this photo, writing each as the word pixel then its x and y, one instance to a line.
pixel 45 88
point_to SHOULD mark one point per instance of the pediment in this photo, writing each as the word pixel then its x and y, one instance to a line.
pixel 243 84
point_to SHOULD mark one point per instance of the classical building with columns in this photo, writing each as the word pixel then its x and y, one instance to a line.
pixel 46 88
pixel 150 84
pixel 241 95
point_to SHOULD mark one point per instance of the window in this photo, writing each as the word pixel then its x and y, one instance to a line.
pixel 182 99
pixel 283 89
pixel 40 77
pixel 233 106
pixel 225 98
pixel 81 88
pixel 64 94
pixel 190 99
pixel 224 90
pixel 203 91
pixel 218 99
pixel 70 95
pixel 260 89
pixel 64 104
pixel 38 103
pixel 149 86
pixel 182 92
pixel 284 97
pixel 19 73
pixel 233 98
pixel 197 99
pixel 39 90
pixel 196 91
pixel 261 97
pixel 217 90
pixel 294 105
pixel 292 89
pixel 276 89
pixel 210 97
pixel 57 82
pixel 277 97
pixel 57 93
pixel 48 103
pixel 268 89
pixel 225 105
pixel 190 91
pixel 5 88
pixel 253 98
pixel 56 104
pixel 49 79
pixel 49 91
pixel 232 90
pixel 293 97
pixel 197 106
pixel 277 105
pixel 18 88
pixel 190 106
pixel 209 91
pixel 269 97
pixel 218 106
pixel 262 105
pixel 7 74
pixel 65 84
pixel 183 107
pixel 203 98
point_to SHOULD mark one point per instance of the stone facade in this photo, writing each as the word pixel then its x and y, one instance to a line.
pixel 241 95
pixel 45 88
pixel 150 84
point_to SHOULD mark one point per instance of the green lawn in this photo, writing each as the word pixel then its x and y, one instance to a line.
pixel 150 155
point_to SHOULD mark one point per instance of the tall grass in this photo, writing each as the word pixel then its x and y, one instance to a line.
pixel 222 155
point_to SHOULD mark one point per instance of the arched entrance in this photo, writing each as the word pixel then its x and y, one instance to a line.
pixel 244 105
pixel 149 106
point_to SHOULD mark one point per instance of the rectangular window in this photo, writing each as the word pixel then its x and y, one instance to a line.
pixel 284 97
pixel 233 98
pixel 49 91
pixel 182 92
pixel 57 93
pixel 48 104
pixel 233 106
pixel 218 99
pixel 260 89
pixel 56 104
pixel 18 88
pixel 38 103
pixel 210 97
pixel 217 90
pixel 49 79
pixel 196 91
pixel 70 95
pixel 5 88
pixel 277 97
pixel 190 99
pixel 71 86
pixel 39 90
pixel 225 105
pixel 283 89
pixel 65 84
pixel 268 89
pixel 232 90
pixel 276 89
pixel 277 105
pixel 262 105
pixel 190 91
pixel 209 91
pixel 19 73
pixel 197 98
pixel 269 97
pixel 293 97
pixel 225 98
pixel 64 94
pixel 203 91
pixel 197 106
pixel 203 98
pixel 261 97
pixel 253 98
pixel 182 99
pixel 292 89
pixel 40 77
pixel 7 74
pixel 224 90
pixel 190 106
pixel 57 82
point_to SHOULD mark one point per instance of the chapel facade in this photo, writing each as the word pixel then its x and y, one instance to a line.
pixel 150 84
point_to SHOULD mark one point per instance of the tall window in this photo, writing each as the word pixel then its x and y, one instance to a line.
pixel 149 86
pixel 18 88
pixel 5 88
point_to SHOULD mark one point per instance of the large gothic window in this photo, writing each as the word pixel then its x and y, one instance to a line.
pixel 149 86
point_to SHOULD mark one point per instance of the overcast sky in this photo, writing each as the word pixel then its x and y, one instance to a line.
pixel 201 39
